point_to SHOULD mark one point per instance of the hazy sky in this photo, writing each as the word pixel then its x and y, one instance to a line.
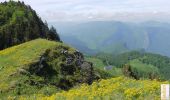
pixel 82 10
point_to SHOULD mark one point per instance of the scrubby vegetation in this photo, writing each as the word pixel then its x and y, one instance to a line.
pixel 20 23
pixel 120 88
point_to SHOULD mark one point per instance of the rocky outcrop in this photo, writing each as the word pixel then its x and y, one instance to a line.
pixel 63 68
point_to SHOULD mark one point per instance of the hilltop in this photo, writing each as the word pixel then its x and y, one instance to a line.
pixel 42 66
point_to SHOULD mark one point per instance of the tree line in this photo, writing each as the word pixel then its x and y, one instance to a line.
pixel 20 23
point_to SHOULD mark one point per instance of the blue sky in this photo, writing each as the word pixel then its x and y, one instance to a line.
pixel 83 10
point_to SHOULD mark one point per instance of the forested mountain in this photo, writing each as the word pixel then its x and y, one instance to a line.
pixel 118 37
pixel 20 23
pixel 141 64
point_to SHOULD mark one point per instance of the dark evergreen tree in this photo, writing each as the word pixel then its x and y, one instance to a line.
pixel 53 34
pixel 20 23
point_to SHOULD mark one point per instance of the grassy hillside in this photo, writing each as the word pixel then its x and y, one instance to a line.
pixel 99 66
pixel 19 82
pixel 13 59
pixel 40 66
pixel 96 62
pixel 25 53
pixel 119 88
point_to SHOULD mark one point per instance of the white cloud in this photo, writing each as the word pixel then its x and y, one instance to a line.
pixel 75 10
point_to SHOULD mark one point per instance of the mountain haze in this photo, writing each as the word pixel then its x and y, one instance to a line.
pixel 117 37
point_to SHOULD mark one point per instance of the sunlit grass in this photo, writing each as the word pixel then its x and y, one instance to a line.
pixel 120 88
pixel 17 57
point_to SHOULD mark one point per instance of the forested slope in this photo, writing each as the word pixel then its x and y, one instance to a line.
pixel 20 23
pixel 142 64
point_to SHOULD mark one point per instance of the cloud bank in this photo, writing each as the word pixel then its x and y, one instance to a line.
pixel 86 10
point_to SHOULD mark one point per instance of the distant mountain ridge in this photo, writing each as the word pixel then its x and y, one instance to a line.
pixel 118 37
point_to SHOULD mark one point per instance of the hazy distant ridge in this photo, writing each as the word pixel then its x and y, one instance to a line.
pixel 117 37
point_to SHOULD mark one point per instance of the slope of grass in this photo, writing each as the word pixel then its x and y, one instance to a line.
pixel 96 62
pixel 15 60
pixel 99 67
pixel 25 53
pixel 120 88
